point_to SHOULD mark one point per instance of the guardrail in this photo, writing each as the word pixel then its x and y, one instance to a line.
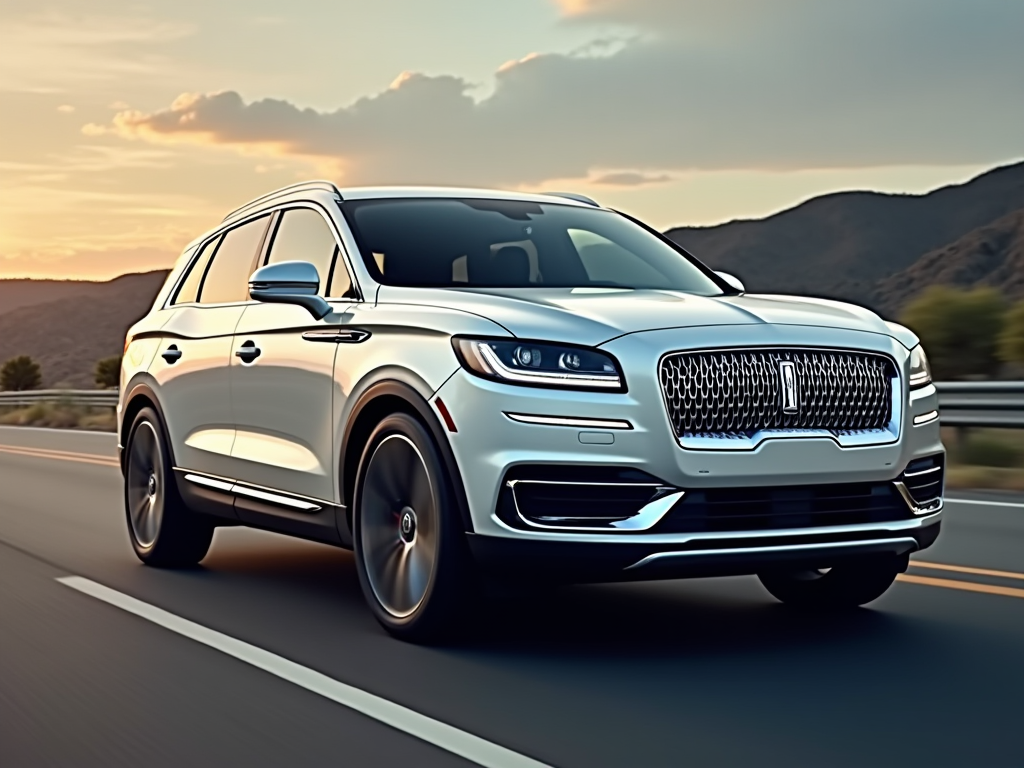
pixel 981 403
pixel 92 398
pixel 961 403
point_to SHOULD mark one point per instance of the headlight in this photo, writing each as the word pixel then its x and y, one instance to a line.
pixel 540 364
pixel 920 371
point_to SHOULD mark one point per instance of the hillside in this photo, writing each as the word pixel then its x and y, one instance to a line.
pixel 992 255
pixel 67 331
pixel 843 245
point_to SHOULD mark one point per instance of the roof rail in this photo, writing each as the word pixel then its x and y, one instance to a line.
pixel 573 196
pixel 302 186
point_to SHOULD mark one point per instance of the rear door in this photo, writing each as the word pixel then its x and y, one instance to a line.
pixel 282 376
pixel 193 363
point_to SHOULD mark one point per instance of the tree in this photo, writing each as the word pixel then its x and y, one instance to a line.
pixel 108 372
pixel 1011 340
pixel 960 330
pixel 19 374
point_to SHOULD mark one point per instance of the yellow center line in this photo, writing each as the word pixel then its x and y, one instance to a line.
pixel 966 569
pixel 966 586
pixel 43 453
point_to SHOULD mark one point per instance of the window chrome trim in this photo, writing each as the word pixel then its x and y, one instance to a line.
pixel 781 548
pixel 569 421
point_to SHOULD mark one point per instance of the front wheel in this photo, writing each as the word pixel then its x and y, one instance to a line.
pixel 844 586
pixel 410 547
pixel 163 531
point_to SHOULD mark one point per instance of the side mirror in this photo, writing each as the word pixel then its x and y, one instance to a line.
pixel 732 280
pixel 289 282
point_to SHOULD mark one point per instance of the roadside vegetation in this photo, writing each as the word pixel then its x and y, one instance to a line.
pixel 23 374
pixel 984 458
pixel 59 416
pixel 968 334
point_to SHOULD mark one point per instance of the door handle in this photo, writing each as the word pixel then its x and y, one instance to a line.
pixel 248 352
pixel 172 354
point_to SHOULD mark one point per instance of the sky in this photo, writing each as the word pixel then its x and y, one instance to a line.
pixel 127 128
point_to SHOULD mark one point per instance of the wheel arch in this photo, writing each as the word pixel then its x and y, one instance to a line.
pixel 138 395
pixel 373 405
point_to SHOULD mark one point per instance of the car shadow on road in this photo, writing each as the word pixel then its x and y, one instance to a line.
pixel 710 617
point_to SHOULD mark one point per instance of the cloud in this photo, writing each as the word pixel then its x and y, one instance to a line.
pixel 816 85
pixel 629 179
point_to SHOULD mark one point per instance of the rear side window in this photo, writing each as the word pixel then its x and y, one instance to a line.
pixel 189 290
pixel 303 235
pixel 227 279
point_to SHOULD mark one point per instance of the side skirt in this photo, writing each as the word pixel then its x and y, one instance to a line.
pixel 265 508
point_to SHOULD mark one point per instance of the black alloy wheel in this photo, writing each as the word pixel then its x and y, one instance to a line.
pixel 163 531
pixel 410 547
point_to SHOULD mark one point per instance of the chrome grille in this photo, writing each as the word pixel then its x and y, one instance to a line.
pixel 741 391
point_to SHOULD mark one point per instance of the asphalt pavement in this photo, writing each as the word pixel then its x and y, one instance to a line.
pixel 267 655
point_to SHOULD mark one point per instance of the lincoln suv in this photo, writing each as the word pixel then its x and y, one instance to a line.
pixel 468 387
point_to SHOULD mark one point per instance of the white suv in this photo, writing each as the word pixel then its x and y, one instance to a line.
pixel 460 383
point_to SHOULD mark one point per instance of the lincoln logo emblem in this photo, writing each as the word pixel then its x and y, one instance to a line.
pixel 790 393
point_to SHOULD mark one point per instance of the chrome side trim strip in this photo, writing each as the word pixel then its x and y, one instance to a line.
pixel 796 548
pixel 240 489
pixel 209 482
pixel 569 421
pixel 925 418
pixel 917 509
pixel 273 498
pixel 645 518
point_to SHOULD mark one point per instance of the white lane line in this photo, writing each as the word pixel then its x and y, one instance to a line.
pixel 447 737
pixel 985 503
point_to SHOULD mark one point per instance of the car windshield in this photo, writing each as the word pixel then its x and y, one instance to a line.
pixel 469 243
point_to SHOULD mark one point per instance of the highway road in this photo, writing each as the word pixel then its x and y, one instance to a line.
pixel 267 656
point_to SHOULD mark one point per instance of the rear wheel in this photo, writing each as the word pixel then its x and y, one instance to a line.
pixel 163 531
pixel 844 586
pixel 410 546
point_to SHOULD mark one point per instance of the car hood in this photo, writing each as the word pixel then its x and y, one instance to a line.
pixel 593 316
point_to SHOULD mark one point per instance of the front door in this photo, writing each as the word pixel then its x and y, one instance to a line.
pixel 282 373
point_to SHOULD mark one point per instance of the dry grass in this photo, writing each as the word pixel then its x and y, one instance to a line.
pixel 60 416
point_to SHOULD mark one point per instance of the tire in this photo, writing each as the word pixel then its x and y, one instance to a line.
pixel 163 531
pixel 410 548
pixel 845 586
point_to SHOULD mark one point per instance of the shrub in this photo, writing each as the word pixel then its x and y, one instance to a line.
pixel 108 372
pixel 20 373
pixel 988 451
pixel 960 330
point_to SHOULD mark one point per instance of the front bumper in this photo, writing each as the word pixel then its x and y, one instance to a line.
pixel 618 560
pixel 492 440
